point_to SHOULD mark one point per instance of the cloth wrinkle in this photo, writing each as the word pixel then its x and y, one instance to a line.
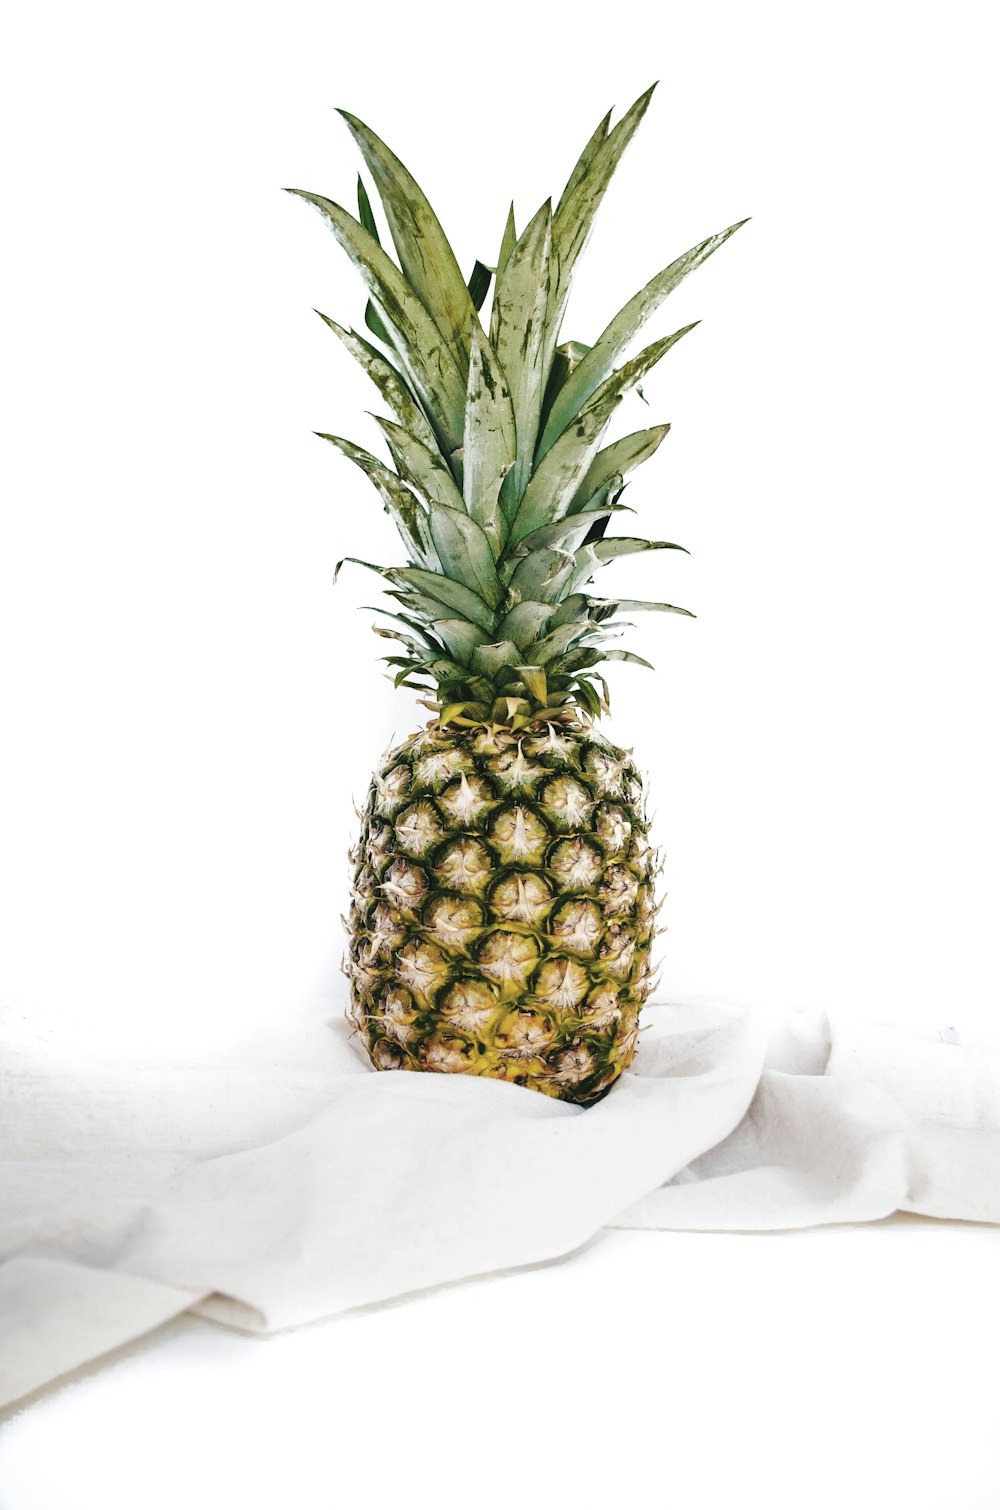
pixel 263 1195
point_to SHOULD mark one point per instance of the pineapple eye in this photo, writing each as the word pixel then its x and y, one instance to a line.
pixel 521 898
pixel 562 983
pixel 418 829
pixel 569 802
pixel 446 1054
pixel 465 866
pixel 520 836
pixel 573 1065
pixel 508 958
pixel 453 920
pixel 470 1004
pixel 576 863
pixel 577 925
pixel 524 1034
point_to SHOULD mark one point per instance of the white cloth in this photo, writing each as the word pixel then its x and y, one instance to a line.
pixel 268 1193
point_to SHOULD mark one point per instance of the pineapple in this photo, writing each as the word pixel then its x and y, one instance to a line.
pixel 502 910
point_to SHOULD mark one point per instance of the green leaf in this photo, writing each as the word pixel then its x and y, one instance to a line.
pixel 365 212
pixel 615 461
pixel 376 325
pixel 542 575
pixel 577 660
pixel 555 643
pixel 479 283
pixel 586 563
pixel 572 610
pixel 389 572
pixel 407 515
pixel 535 680
pixel 636 605
pixel 557 477
pixel 621 331
pixel 627 655
pixel 507 241
pixel 626 377
pixel 524 623
pixel 588 698
pixel 402 618
pixel 489 443
pixel 489 659
pixel 423 468
pixel 454 595
pixel 565 359
pixel 517 334
pixel 574 219
pixel 464 553
pixel 387 380
pixel 423 249
pixel 586 158
pixel 461 637
pixel 563 529
pixel 629 545
pixel 606 497
pixel 427 359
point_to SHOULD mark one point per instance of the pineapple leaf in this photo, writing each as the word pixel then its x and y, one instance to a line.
pixel 423 249
pixel 586 695
pixel 488 446
pixel 365 212
pixel 517 332
pixel 636 605
pixel 490 659
pixel 407 514
pixel 557 477
pixel 388 382
pixel 628 655
pixel 367 219
pixel 479 283
pixel 626 377
pixel 423 468
pixel 377 326
pixel 615 460
pixel 427 360
pixel 555 643
pixel 453 595
pixel 464 553
pixel 524 622
pixel 535 680
pixel 574 609
pixel 601 357
pixel 586 158
pixel 629 545
pixel 542 574
pixel 550 534
pixel 401 618
pixel 461 637
pixel 574 219
pixel 507 241
pixel 585 563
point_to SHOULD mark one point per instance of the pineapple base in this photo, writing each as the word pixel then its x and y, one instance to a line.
pixel 502 910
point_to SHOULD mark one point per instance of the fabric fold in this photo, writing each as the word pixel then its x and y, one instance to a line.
pixel 264 1198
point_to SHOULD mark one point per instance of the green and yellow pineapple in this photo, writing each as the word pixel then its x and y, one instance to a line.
pixel 502 910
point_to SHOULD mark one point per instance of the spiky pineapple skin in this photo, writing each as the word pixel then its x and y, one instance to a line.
pixel 502 911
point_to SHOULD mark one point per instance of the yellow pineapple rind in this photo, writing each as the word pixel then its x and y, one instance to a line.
pixel 502 911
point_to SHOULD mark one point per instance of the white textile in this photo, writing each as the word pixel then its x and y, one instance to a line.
pixel 272 1191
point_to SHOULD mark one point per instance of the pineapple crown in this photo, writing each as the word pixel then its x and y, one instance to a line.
pixel 501 493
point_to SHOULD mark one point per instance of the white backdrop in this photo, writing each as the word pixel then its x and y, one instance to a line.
pixel 188 705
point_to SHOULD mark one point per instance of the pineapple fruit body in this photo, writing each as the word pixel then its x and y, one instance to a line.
pixel 502 911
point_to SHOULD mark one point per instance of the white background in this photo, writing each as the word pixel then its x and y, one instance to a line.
pixel 189 707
